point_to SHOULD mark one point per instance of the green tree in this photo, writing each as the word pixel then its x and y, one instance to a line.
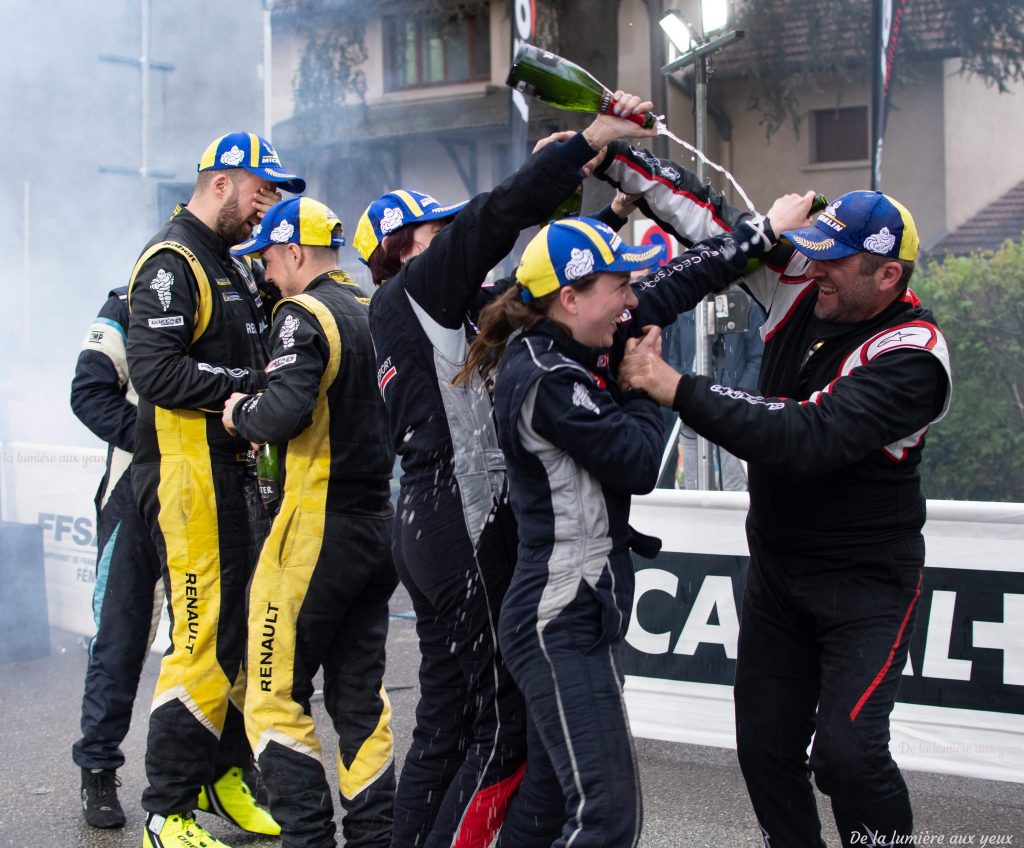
pixel 977 451
pixel 334 31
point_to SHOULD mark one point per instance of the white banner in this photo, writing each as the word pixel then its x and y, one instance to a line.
pixel 967 653
pixel 54 486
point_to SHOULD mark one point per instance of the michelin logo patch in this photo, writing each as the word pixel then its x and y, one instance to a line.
pixel 579 265
pixel 288 328
pixel 232 157
pixel 581 397
pixel 280 362
pixel 391 220
pixel 282 232
pixel 169 321
pixel 881 242
pixel 161 284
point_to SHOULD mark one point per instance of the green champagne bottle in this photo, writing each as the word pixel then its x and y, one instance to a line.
pixel 817 205
pixel 563 84
pixel 268 477
pixel 571 207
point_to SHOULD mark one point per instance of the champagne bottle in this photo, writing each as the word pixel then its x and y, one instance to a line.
pixel 817 205
pixel 268 477
pixel 571 207
pixel 563 84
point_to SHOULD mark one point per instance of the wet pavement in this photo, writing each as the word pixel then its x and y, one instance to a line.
pixel 693 796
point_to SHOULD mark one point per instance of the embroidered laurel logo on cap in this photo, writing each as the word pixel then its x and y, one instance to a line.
pixel 391 220
pixel 824 244
pixel 581 263
pixel 282 232
pixel 881 242
pixel 232 157
pixel 161 284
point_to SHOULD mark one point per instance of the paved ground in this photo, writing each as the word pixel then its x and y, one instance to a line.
pixel 693 796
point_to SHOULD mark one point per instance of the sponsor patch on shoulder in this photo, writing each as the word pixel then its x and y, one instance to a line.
pixel 230 296
pixel 385 374
pixel 581 397
pixel 280 362
pixel 169 321
pixel 223 281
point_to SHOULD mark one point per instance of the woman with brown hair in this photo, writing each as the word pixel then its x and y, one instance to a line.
pixel 455 537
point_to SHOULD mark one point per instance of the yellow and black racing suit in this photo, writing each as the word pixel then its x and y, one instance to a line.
pixel 196 334
pixel 319 597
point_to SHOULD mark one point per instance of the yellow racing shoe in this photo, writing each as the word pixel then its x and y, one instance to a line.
pixel 231 798
pixel 176 832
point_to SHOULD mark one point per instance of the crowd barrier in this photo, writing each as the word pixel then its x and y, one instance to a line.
pixel 961 704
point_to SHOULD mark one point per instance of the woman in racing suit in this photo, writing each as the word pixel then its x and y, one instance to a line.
pixel 578 447
pixel 454 545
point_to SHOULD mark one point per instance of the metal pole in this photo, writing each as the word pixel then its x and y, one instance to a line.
pixel 144 66
pixel 26 269
pixel 268 8
pixel 702 340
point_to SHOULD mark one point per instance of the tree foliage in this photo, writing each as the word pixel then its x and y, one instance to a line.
pixel 330 72
pixel 986 35
pixel 977 451
pixel 334 32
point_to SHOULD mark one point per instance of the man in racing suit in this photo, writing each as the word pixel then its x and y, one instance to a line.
pixel 319 596
pixel 126 605
pixel 854 372
pixel 197 333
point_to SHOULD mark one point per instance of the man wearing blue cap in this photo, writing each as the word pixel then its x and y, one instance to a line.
pixel 319 596
pixel 197 333
pixel 854 372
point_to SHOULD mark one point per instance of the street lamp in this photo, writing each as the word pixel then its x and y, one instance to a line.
pixel 696 49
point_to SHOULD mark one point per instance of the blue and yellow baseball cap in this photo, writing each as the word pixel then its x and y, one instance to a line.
pixel 394 210
pixel 859 222
pixel 254 154
pixel 568 250
pixel 298 220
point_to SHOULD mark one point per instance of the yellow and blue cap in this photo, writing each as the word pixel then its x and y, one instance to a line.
pixel 298 220
pixel 394 210
pixel 256 155
pixel 565 251
pixel 859 222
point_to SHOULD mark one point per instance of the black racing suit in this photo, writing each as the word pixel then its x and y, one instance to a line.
pixel 128 596
pixel 454 533
pixel 319 596
pixel 577 448
pixel 833 433
pixel 197 334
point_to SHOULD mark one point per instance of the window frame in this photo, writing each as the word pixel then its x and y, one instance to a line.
pixel 814 151
pixel 477 32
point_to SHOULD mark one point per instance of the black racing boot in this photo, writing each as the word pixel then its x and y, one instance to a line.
pixel 99 798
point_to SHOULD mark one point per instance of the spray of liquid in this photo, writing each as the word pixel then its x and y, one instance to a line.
pixel 664 130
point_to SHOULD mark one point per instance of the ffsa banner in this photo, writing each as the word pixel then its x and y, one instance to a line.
pixel 961 699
